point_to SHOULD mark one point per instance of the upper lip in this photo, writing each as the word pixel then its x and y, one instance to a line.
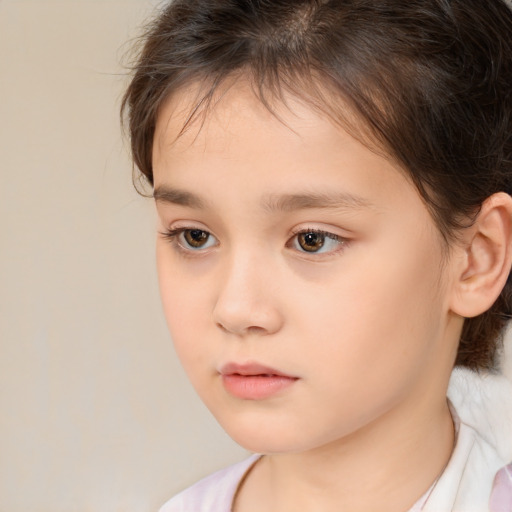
pixel 248 369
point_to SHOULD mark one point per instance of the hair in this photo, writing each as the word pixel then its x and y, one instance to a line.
pixel 428 80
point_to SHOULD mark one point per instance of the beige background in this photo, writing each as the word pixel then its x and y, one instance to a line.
pixel 96 414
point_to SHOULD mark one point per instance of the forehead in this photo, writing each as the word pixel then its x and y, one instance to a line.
pixel 192 109
pixel 236 127
pixel 192 121
pixel 291 150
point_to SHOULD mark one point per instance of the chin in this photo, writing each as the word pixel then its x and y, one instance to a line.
pixel 267 437
pixel 265 444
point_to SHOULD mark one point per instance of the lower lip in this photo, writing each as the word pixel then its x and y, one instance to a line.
pixel 256 387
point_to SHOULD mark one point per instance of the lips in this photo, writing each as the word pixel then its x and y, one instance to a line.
pixel 253 381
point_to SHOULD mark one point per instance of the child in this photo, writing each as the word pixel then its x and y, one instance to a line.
pixel 332 180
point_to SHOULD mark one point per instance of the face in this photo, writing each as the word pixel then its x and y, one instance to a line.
pixel 302 277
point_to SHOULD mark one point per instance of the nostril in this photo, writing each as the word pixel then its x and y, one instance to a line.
pixel 247 330
pixel 221 327
pixel 256 330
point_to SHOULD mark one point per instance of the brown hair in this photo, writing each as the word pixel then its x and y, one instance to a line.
pixel 429 79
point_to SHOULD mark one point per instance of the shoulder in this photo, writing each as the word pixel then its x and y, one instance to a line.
pixel 477 475
pixel 484 402
pixel 214 493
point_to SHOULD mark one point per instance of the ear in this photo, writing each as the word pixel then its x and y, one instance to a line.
pixel 483 269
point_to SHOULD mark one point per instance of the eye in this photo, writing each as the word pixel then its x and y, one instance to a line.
pixel 191 239
pixel 315 241
pixel 196 238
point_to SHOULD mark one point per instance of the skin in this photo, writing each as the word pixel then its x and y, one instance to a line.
pixel 365 324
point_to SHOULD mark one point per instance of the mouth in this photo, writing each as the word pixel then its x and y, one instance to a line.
pixel 253 381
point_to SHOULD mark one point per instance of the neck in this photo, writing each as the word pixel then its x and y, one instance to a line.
pixel 386 466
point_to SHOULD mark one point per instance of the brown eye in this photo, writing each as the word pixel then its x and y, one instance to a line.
pixel 311 241
pixel 196 238
pixel 316 242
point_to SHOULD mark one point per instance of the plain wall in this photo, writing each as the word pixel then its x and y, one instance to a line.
pixel 95 412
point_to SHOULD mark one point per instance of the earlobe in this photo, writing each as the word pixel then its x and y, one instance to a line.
pixel 487 258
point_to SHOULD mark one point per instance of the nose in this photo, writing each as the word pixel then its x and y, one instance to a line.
pixel 247 301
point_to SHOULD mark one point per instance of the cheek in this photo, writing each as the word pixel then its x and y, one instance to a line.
pixel 379 323
pixel 184 320
pixel 181 299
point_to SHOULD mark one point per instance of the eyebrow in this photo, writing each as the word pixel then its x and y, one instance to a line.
pixel 179 197
pixel 273 202
pixel 335 201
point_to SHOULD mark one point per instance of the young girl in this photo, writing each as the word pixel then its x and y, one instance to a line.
pixel 332 180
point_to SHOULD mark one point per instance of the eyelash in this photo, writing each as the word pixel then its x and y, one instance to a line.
pixel 341 241
pixel 172 235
